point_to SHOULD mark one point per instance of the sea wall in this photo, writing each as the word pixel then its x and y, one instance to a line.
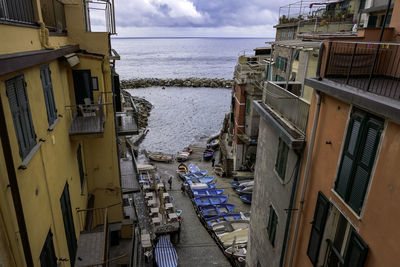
pixel 188 82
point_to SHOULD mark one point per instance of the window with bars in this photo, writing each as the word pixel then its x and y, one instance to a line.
pixel 45 75
pixel 272 224
pixel 281 159
pixel 21 114
pixel 358 158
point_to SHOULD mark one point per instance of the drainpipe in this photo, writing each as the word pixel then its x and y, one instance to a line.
pixel 305 177
pixel 290 209
pixel 13 184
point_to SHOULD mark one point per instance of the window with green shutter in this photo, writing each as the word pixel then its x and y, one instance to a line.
pixel 272 224
pixel 21 114
pixel 277 62
pixel 356 252
pixel 45 75
pixel 248 103
pixel 48 255
pixel 358 158
pixel 281 159
pixel 80 166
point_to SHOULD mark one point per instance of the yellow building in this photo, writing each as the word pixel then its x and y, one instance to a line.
pixel 58 150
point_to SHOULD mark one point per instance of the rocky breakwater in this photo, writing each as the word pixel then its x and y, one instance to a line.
pixel 143 108
pixel 189 82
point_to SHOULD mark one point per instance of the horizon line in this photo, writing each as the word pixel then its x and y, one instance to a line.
pixel 189 37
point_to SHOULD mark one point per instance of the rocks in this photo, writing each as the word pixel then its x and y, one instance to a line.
pixel 143 108
pixel 189 82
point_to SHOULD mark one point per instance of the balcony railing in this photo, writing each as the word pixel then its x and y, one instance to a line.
pixel 53 15
pixel 94 10
pixel 288 105
pixel 17 11
pixel 371 67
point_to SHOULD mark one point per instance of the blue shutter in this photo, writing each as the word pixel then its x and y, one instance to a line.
pixel 318 227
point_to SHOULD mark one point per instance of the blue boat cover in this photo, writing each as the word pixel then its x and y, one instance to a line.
pixel 165 253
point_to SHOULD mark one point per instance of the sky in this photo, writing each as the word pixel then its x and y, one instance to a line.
pixel 197 18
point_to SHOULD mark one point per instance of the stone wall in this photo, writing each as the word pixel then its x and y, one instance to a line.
pixel 189 82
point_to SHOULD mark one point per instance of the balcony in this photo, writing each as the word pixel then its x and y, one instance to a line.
pixel 87 120
pixel 53 15
pixel 17 12
pixel 286 112
pixel 370 67
pixel 126 124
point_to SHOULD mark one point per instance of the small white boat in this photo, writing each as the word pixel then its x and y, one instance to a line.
pixel 182 156
pixel 237 250
pixel 241 236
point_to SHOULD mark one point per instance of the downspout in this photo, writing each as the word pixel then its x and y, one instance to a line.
pixel 290 209
pixel 12 177
pixel 305 177
pixel 308 161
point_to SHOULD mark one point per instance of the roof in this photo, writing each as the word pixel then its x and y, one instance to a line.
pixel 297 44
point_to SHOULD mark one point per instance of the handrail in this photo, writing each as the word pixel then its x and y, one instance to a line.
pixel 110 206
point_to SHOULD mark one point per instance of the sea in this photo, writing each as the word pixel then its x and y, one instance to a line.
pixel 182 116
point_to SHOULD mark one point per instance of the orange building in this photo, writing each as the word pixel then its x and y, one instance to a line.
pixel 347 212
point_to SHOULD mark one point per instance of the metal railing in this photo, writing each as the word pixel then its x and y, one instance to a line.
pixel 17 11
pixel 291 107
pixel 372 67
pixel 53 15
pixel 106 8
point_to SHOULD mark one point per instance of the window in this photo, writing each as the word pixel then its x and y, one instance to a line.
pixel 281 159
pixel 272 223
pixel 95 84
pixel 21 113
pixel 248 103
pixel 358 158
pixel 80 166
pixel 48 256
pixel 296 54
pixel 277 62
pixel 45 75
pixel 283 64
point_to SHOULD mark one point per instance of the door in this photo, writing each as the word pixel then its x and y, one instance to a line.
pixel 68 224
pixel 83 86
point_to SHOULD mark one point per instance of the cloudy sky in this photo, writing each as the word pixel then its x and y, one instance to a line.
pixel 197 18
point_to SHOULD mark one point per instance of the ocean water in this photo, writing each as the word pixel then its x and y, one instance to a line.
pixel 181 57
pixel 183 116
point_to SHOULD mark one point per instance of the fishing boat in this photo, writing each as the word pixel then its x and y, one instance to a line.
pixel 244 190
pixel 210 200
pixel 223 218
pixel 237 251
pixel 216 210
pixel 202 180
pixel 207 192
pixel 182 170
pixel 182 156
pixel 236 184
pixel 213 144
pixel 193 168
pixel 202 186
pixel 195 174
pixel 187 149
pixel 165 253
pixel 245 216
pixel 208 154
pixel 229 226
pixel 239 236
pixel 246 198
pixel 160 157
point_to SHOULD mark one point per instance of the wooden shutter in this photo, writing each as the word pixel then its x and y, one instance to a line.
pixel 20 109
pixel 318 226
pixel 45 75
pixel 69 226
pixel 48 256
pixel 80 165
pixel 272 222
pixel 281 159
pixel 356 252
pixel 349 154
pixel 364 164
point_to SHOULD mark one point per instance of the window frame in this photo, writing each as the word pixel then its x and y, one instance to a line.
pixel 281 159
pixel 272 225
pixel 48 93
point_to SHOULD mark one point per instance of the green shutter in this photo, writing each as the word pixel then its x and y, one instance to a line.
pixel 80 165
pixel 248 106
pixel 318 227
pixel 48 256
pixel 277 61
pixel 20 109
pixel 356 252
pixel 281 159
pixel 272 223
pixel 45 76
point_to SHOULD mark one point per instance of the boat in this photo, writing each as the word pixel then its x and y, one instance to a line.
pixel 210 200
pixel 208 154
pixel 239 236
pixel 245 216
pixel 246 198
pixel 193 168
pixel 207 192
pixel 195 174
pixel 165 253
pixel 187 149
pixel 202 180
pixel 244 190
pixel 182 170
pixel 202 186
pixel 182 156
pixel 236 184
pixel 236 251
pixel 223 218
pixel 213 144
pixel 229 226
pixel 160 157
pixel 216 210
pixel 219 170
